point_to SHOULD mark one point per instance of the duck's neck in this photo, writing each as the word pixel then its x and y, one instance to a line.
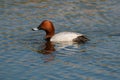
pixel 49 35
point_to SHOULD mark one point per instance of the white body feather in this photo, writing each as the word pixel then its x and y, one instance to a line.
pixel 65 36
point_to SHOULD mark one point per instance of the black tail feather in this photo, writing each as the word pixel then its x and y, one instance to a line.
pixel 81 39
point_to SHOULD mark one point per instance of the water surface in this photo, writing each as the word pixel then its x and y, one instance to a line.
pixel 23 54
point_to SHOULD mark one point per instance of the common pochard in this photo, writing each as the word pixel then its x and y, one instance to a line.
pixel 49 28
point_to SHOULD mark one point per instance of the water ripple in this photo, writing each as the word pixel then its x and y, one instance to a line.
pixel 24 55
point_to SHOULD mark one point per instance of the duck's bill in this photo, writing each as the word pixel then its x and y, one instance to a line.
pixel 35 29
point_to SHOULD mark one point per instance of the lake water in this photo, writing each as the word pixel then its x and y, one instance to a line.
pixel 24 55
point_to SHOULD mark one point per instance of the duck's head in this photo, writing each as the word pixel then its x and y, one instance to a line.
pixel 48 27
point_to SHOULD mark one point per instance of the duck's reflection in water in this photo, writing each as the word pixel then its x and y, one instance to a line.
pixel 49 47
pixel 47 51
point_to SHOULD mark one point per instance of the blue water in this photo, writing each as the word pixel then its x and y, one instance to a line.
pixel 23 54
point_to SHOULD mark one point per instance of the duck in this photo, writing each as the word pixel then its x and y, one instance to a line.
pixel 49 28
